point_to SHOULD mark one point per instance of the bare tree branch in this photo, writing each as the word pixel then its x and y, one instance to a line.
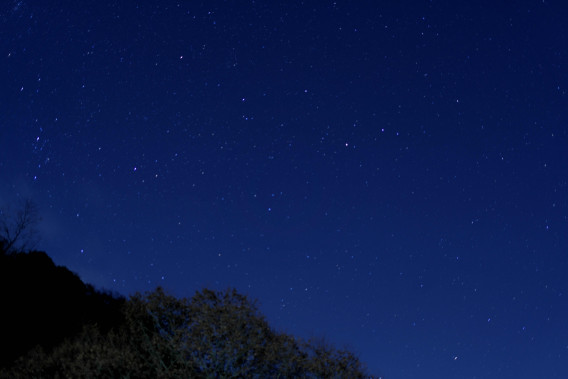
pixel 18 230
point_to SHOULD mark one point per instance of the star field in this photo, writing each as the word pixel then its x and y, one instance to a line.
pixel 390 177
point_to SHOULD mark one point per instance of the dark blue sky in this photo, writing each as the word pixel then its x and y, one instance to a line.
pixel 393 178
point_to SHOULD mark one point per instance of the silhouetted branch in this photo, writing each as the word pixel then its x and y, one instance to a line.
pixel 18 231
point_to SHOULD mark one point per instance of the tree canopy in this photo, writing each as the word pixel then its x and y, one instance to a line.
pixel 82 333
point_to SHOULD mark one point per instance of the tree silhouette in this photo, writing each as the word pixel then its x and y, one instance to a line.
pixel 211 335
pixel 18 229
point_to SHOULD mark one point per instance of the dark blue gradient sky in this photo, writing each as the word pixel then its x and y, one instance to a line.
pixel 393 178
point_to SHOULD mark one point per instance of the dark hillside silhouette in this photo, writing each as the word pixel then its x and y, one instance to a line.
pixel 42 304
pixel 54 325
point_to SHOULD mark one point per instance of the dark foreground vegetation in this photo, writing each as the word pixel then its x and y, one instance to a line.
pixel 54 325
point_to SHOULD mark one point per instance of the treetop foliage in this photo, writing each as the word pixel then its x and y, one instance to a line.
pixel 71 330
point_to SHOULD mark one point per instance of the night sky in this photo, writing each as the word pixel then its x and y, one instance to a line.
pixel 393 178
